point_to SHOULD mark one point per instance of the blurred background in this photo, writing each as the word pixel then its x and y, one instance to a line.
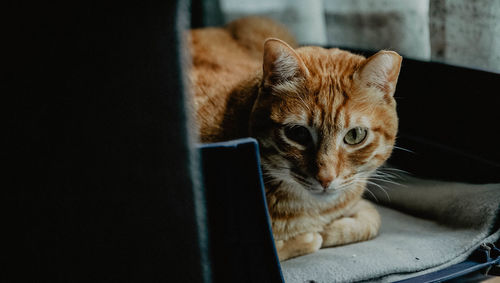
pixel 458 32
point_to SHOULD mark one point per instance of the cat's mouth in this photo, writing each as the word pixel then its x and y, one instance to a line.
pixel 303 181
pixel 313 186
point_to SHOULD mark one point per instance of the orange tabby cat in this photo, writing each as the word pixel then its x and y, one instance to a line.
pixel 325 120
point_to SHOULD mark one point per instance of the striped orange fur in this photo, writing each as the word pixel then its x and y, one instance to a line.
pixel 325 120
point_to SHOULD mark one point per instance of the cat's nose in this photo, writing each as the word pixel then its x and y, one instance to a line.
pixel 325 181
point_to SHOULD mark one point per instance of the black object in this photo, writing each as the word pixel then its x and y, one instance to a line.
pixel 449 118
pixel 241 242
pixel 99 178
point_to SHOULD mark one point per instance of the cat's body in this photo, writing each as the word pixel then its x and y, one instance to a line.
pixel 324 119
pixel 227 68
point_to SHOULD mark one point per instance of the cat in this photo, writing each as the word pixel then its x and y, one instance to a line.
pixel 325 120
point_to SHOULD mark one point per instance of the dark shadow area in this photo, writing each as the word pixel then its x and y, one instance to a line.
pixel 98 185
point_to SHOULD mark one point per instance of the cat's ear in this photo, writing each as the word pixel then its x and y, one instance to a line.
pixel 281 63
pixel 380 71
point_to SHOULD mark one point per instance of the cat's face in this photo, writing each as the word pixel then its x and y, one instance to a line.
pixel 325 119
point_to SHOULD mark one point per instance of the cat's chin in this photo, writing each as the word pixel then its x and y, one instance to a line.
pixel 320 193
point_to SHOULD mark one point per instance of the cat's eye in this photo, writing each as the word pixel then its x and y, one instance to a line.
pixel 299 134
pixel 355 136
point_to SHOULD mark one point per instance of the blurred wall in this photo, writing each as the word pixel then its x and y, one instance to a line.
pixel 459 32
pixel 304 18
pixel 399 25
pixel 466 33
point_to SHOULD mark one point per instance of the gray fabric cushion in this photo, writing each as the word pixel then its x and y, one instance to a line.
pixel 426 226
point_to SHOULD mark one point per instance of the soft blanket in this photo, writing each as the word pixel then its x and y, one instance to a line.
pixel 426 226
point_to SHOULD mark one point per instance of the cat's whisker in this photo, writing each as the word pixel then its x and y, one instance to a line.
pixel 404 149
pixel 288 173
pixel 304 183
pixel 380 187
pixel 387 175
pixel 348 185
pixel 282 167
pixel 280 175
pixel 373 195
pixel 369 181
pixel 388 181
pixel 394 173
pixel 393 169
pixel 351 186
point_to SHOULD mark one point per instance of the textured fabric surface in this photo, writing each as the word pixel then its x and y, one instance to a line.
pixel 426 226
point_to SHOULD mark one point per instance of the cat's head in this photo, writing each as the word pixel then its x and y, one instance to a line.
pixel 325 118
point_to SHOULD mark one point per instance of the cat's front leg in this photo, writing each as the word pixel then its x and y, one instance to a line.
pixel 302 244
pixel 361 224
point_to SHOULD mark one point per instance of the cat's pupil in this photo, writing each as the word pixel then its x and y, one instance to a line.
pixel 298 134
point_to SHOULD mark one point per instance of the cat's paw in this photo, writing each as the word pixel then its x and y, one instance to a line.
pixel 299 245
pixel 362 225
pixel 313 241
